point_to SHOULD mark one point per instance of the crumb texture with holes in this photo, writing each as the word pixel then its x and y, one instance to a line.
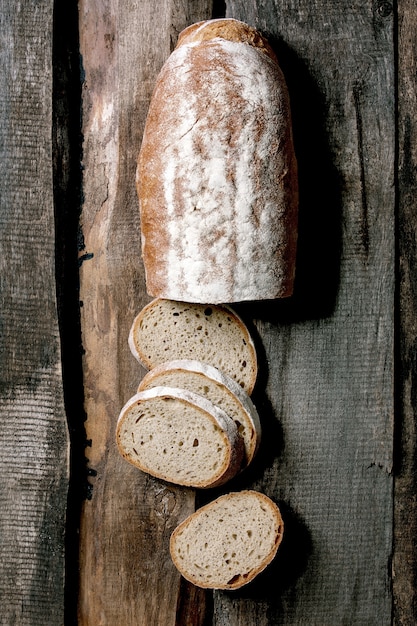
pixel 228 542
pixel 179 437
pixel 219 388
pixel 165 330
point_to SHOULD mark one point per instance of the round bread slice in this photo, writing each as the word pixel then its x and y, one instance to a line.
pixel 180 437
pixel 220 389
pixel 166 329
pixel 228 542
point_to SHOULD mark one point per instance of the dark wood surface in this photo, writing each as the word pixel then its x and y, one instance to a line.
pixel 405 521
pixel 330 351
pixel 338 453
pixel 33 433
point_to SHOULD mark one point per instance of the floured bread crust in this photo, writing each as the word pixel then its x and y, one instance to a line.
pixel 229 29
pixel 217 174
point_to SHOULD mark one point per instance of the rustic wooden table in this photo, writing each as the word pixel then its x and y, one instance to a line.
pixel 338 393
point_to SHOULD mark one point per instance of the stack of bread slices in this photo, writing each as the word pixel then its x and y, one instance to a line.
pixel 192 422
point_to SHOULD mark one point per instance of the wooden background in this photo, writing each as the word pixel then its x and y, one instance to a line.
pixel 83 535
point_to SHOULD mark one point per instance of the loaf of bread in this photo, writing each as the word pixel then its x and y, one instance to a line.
pixel 217 174
pixel 217 387
pixel 166 330
pixel 180 437
pixel 226 543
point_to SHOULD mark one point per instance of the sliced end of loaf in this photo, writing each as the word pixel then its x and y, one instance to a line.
pixel 227 543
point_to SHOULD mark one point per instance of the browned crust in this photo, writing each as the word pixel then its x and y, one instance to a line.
pixel 229 29
pixel 247 577
pixel 281 191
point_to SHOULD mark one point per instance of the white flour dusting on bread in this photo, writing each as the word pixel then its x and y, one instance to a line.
pixel 217 176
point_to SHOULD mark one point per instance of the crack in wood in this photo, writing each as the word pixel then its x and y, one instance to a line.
pixel 364 223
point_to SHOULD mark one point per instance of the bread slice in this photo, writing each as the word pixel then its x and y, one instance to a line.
pixel 180 437
pixel 165 330
pixel 226 543
pixel 219 388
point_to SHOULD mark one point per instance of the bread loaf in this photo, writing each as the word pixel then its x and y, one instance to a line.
pixel 226 543
pixel 217 175
pixel 166 330
pixel 179 437
pixel 217 387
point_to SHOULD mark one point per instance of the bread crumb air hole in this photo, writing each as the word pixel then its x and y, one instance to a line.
pixel 240 427
pixel 234 579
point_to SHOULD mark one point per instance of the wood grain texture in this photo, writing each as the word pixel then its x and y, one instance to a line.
pixel 126 573
pixel 405 521
pixel 33 432
pixel 328 401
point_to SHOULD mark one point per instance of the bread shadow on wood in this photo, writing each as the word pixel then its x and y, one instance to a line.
pixel 195 605
pixel 271 446
pixel 270 449
pixel 272 440
pixel 282 574
pixel 320 190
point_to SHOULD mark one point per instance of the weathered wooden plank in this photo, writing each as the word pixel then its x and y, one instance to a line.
pixel 126 573
pixel 405 522
pixel 33 432
pixel 329 351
